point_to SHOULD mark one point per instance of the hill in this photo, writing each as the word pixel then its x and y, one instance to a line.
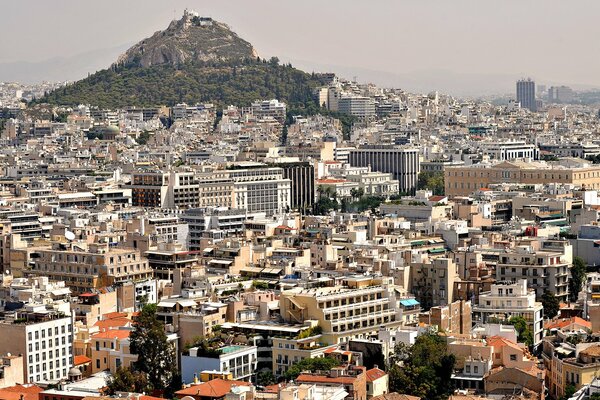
pixel 194 60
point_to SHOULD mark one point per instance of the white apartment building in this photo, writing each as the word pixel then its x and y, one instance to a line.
pixel 261 190
pixel 269 108
pixel 511 299
pixel 45 340
pixel 240 361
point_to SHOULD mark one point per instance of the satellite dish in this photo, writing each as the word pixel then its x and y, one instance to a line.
pixel 69 235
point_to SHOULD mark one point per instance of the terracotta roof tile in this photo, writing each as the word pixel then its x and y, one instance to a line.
pixel 212 389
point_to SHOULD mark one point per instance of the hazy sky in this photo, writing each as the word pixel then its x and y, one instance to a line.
pixel 553 41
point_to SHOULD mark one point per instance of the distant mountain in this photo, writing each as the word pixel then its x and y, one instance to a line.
pixel 194 60
pixel 59 69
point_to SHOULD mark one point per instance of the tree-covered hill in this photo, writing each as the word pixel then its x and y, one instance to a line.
pixel 223 83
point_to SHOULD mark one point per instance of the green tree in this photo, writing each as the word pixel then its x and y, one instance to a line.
pixel 327 201
pixel 578 275
pixel 423 369
pixel 569 391
pixel 128 380
pixel 310 364
pixel 433 181
pixel 156 355
pixel 265 378
pixel 524 333
pixel 550 303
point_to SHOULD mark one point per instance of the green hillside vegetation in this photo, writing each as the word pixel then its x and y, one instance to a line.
pixel 223 83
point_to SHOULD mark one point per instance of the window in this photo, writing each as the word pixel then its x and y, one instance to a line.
pixel 98 363
pixel 513 357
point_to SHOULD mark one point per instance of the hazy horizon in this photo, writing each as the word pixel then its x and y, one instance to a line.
pixel 464 47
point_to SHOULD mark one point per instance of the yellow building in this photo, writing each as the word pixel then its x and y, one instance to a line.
pixel 569 367
pixel 110 350
pixel 464 180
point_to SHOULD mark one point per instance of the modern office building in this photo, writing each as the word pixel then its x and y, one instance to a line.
pixel 261 190
pixel 526 94
pixel 302 178
pixel 358 106
pixel 560 94
pixel 401 162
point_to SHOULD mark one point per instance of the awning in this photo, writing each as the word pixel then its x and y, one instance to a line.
pixel 436 251
pixel 186 303
pixel 167 304
pixel 418 243
pixel 61 292
pixel 222 262
pixel 409 302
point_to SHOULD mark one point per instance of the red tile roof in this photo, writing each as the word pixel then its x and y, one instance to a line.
pixel 212 389
pixel 309 378
pixel 562 323
pixel 374 374
pixel 79 360
pixel 29 392
pixel 112 334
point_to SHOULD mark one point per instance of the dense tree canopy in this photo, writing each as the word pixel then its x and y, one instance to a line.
pixel 433 181
pixel 222 83
pixel 423 369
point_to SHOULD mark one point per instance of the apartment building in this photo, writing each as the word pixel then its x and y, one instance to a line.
pixel 511 299
pixel 432 281
pixel 201 220
pixel 84 267
pixel 110 350
pixel 569 365
pixel 356 310
pixel 165 190
pixel 45 339
pixel 464 180
pixel 269 108
pixel 544 268
pixel 287 351
pixel 216 189
pixel 11 370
